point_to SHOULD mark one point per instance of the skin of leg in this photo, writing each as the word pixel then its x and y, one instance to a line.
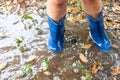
pixel 56 9
pixel 92 7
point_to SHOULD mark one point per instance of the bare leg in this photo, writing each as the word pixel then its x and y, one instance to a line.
pixel 56 9
pixel 92 7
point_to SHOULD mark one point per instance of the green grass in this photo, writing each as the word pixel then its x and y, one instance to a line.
pixel 26 70
pixel 20 44
pixel 22 48
pixel 85 72
pixel 47 63
pixel 26 16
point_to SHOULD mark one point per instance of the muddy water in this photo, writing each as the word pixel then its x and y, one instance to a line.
pixel 63 66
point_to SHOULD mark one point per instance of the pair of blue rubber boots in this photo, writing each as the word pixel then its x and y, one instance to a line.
pixel 97 33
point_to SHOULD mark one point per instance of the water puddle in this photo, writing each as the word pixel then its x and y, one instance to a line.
pixel 20 39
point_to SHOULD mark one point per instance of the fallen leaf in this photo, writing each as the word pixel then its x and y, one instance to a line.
pixel 113 26
pixel 71 8
pixel 20 1
pixel 70 19
pixel 117 7
pixel 117 21
pixel 22 6
pixel 88 28
pixel 88 38
pixel 31 58
pixel 8 3
pixel 95 69
pixel 47 73
pixel 115 46
pixel 107 23
pixel 83 58
pixel 83 21
pixel 3 66
pixel 113 35
pixel 117 12
pixel 115 70
pixel 15 1
pixel 88 46
pixel 80 17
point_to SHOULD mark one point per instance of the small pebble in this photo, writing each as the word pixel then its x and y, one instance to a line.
pixel 56 78
pixel 47 73
pixel 31 58
pixel 75 70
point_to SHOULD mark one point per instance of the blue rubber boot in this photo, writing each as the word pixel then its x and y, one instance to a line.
pixel 98 33
pixel 56 35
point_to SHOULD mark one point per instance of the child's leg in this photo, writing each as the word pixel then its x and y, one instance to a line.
pixel 93 10
pixel 56 10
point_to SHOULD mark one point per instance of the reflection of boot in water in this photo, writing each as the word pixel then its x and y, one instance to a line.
pixel 56 35
pixel 98 33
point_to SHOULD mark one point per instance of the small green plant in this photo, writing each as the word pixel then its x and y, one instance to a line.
pixel 85 72
pixel 26 16
pixel 69 2
pixel 88 76
pixel 80 49
pixel 81 66
pixel 26 70
pixel 78 4
pixel 104 63
pixel 6 7
pixel 33 77
pixel 38 30
pixel 22 48
pixel 20 44
pixel 18 41
pixel 41 70
pixel 69 65
pixel 47 63
pixel 65 24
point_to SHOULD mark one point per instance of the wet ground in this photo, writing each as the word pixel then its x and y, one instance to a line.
pixel 24 55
